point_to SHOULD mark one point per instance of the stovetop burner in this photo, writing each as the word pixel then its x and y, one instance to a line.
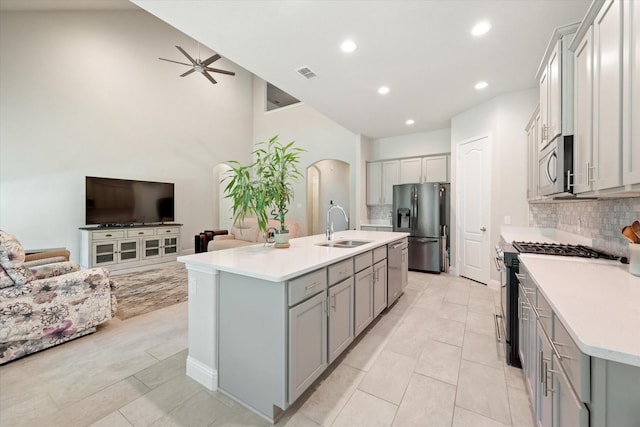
pixel 562 250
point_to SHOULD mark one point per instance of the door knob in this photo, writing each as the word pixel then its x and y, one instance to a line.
pixel 483 229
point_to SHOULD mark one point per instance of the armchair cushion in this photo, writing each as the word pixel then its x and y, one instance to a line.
pixel 11 259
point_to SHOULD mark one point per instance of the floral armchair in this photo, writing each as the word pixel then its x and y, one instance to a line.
pixel 49 304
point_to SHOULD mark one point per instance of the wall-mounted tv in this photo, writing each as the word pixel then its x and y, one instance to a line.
pixel 124 201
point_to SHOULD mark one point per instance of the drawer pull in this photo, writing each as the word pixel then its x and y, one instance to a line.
pixel 140 232
pixel 167 231
pixel 311 286
pixel 107 235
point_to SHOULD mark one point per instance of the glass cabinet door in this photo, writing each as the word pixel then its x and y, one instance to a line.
pixel 151 247
pixel 104 253
pixel 128 250
pixel 170 245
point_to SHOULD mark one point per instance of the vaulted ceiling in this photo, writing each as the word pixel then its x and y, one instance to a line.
pixel 423 51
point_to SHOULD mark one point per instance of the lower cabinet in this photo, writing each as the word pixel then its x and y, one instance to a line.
pixel 341 331
pixel 379 287
pixel 363 299
pixel 557 383
pixel 307 344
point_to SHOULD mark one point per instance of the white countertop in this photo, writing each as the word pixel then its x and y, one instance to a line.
pixel 277 265
pixel 542 235
pixel 597 301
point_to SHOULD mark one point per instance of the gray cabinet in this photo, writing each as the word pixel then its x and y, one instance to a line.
pixel 606 137
pixel 381 177
pixel 533 138
pixel 341 307
pixel 379 287
pixel 555 77
pixel 363 299
pixel 556 372
pixel 307 344
pixel 363 291
pixel 424 169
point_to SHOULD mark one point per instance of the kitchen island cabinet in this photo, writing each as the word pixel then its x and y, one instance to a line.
pixel 264 323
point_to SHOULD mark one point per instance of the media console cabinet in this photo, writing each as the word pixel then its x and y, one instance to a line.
pixel 128 247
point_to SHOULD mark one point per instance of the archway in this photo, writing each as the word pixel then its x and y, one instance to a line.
pixel 327 180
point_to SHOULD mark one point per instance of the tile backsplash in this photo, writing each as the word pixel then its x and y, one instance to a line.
pixel 379 212
pixel 600 220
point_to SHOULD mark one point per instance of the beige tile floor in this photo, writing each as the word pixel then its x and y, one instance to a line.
pixel 430 360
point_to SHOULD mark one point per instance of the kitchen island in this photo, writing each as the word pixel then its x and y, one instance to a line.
pixel 264 323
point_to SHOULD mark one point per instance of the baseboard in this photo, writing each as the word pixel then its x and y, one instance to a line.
pixel 202 373
pixel 494 284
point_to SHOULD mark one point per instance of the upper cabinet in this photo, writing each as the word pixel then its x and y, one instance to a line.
pixel 555 77
pixel 533 142
pixel 424 169
pixel 381 177
pixel 607 100
pixel 631 94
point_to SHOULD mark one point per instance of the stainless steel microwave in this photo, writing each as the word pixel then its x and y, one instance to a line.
pixel 555 164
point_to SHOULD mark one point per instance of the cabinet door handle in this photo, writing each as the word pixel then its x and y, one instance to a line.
pixel 333 302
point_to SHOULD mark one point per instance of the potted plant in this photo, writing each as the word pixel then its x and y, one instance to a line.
pixel 264 187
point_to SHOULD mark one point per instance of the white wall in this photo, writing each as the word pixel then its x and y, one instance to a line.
pixel 320 136
pixel 503 118
pixel 412 145
pixel 83 93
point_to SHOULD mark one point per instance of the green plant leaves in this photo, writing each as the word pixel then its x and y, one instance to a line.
pixel 265 185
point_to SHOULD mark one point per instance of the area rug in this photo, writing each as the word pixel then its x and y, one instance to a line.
pixel 145 291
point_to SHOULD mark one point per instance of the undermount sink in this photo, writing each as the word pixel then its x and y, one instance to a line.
pixel 344 243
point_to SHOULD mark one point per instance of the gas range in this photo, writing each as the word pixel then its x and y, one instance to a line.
pixel 563 250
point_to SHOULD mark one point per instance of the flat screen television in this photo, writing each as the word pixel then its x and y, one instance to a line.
pixel 111 201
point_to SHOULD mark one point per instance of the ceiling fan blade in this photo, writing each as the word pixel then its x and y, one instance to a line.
pixel 216 70
pixel 176 62
pixel 211 79
pixel 208 61
pixel 188 72
pixel 187 55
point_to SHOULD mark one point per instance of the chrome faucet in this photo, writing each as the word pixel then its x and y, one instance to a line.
pixel 329 231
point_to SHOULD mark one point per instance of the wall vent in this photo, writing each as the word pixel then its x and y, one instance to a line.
pixel 307 72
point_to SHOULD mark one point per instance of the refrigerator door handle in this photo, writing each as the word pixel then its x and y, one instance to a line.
pixel 425 240
pixel 414 208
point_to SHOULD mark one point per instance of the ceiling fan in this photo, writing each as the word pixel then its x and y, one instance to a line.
pixel 200 66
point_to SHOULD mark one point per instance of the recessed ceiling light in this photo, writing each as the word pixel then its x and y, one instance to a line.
pixel 410 122
pixel 348 46
pixel 481 28
pixel 383 90
pixel 481 85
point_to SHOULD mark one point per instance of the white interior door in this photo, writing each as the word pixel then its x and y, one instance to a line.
pixel 474 208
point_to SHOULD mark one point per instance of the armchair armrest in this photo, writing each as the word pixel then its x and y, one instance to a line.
pixel 224 237
pixel 37 256
pixel 54 269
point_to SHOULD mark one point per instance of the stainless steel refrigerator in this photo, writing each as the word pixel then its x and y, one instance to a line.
pixel 422 210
